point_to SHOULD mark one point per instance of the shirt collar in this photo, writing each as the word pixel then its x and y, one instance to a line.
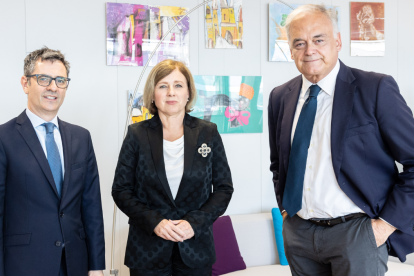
pixel 327 84
pixel 37 121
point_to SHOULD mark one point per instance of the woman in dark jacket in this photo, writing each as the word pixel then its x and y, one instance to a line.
pixel 172 180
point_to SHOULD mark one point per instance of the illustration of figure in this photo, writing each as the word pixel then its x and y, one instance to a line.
pixel 210 28
pixel 142 29
pixel 367 30
pixel 282 50
pixel 139 111
pixel 213 103
pixel 124 37
pixel 280 28
pixel 237 111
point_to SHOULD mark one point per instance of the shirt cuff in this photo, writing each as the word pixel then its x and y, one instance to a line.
pixel 387 223
pixel 283 211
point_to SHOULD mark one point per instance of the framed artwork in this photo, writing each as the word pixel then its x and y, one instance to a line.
pixel 367 29
pixel 139 111
pixel 234 103
pixel 133 31
pixel 279 49
pixel 224 24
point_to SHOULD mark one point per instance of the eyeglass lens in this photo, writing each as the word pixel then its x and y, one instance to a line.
pixel 45 80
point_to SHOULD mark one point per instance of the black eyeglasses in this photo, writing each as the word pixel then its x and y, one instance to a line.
pixel 45 80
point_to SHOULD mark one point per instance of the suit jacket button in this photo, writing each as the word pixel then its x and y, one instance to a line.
pixel 62 214
pixel 58 243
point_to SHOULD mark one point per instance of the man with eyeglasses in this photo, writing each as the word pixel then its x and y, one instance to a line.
pixel 51 221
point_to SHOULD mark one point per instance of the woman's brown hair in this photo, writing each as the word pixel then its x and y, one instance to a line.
pixel 160 71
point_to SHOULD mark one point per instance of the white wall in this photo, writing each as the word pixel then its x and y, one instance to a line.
pixel 77 28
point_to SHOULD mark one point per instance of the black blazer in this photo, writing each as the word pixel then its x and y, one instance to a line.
pixel 142 192
pixel 34 222
pixel 372 127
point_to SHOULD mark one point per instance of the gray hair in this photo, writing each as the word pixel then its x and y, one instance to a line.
pixel 43 54
pixel 311 8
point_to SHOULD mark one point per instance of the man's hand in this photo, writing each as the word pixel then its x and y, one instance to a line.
pixel 168 231
pixel 382 231
pixel 284 215
pixel 184 226
pixel 95 273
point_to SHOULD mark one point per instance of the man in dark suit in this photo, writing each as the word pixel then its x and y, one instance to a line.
pixel 51 219
pixel 335 134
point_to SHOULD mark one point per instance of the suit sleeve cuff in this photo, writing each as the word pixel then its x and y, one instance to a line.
pixel 152 224
pixel 387 222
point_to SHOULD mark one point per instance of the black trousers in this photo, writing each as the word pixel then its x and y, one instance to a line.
pixel 346 249
pixel 176 267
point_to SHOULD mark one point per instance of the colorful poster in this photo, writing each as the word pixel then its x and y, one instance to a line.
pixel 234 103
pixel 367 29
pixel 224 24
pixel 279 49
pixel 133 31
pixel 139 111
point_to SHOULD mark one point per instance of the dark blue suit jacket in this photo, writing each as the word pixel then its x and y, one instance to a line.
pixel 372 127
pixel 34 222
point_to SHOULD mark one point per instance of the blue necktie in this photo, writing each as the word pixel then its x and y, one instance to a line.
pixel 53 157
pixel 292 196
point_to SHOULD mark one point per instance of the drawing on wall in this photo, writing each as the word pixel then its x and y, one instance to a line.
pixel 133 31
pixel 234 103
pixel 139 111
pixel 367 29
pixel 279 49
pixel 224 24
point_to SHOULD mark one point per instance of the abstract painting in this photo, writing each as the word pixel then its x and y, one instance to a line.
pixel 139 111
pixel 133 31
pixel 279 49
pixel 234 103
pixel 224 24
pixel 367 29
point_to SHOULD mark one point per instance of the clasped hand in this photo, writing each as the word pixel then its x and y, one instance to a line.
pixel 174 230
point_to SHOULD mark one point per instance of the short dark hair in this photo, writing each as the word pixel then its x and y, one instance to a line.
pixel 43 54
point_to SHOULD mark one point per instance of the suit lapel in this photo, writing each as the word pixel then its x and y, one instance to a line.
pixel 289 108
pixel 155 137
pixel 25 127
pixel 341 112
pixel 190 148
pixel 67 150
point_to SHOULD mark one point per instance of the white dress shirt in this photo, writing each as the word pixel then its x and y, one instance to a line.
pixel 322 196
pixel 41 134
pixel 174 163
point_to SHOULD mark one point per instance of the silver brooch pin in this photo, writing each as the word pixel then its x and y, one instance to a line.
pixel 204 150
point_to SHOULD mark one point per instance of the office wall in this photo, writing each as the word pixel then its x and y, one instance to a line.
pixel 96 98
